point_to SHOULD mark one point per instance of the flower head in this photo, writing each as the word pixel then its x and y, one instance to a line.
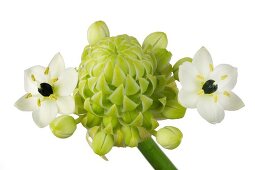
pixel 124 88
pixel 48 91
pixel 207 88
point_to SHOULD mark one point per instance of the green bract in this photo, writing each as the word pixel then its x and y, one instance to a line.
pixel 124 88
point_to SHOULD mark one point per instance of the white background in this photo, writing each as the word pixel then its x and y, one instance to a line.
pixel 31 32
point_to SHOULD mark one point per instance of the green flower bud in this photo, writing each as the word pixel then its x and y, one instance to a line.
pixel 155 40
pixel 97 31
pixel 119 138
pixel 93 131
pixel 173 110
pixel 90 120
pixel 132 137
pixel 177 64
pixel 102 143
pixel 169 137
pixel 63 126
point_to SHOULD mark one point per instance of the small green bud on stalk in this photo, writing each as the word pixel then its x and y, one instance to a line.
pixel 155 41
pixel 177 65
pixel 97 31
pixel 102 143
pixel 169 137
pixel 63 126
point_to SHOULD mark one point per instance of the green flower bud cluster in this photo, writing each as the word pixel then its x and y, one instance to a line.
pixel 124 88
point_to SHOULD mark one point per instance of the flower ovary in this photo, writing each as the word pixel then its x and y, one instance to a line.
pixel 210 87
pixel 45 89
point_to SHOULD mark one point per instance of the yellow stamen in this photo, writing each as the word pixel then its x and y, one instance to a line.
pixel 223 77
pixel 200 77
pixel 211 67
pixel 201 92
pixel 46 72
pixel 39 102
pixel 215 98
pixel 54 80
pixel 28 95
pixel 33 77
pixel 53 97
pixel 226 93
pixel 201 83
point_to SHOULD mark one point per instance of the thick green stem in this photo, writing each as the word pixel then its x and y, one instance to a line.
pixel 155 156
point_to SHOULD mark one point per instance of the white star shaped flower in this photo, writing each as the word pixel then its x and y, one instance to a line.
pixel 207 88
pixel 48 91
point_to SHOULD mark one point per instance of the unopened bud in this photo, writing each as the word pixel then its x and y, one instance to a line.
pixel 97 31
pixel 169 137
pixel 173 110
pixel 63 126
pixel 131 135
pixel 102 143
pixel 155 40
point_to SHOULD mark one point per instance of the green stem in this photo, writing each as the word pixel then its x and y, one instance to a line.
pixel 155 156
pixel 78 120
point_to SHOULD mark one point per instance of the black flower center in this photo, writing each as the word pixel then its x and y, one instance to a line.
pixel 210 87
pixel 45 89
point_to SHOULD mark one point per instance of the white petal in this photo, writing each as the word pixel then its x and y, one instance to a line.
pixel 26 103
pixel 66 104
pixel 33 77
pixel 225 76
pixel 203 61
pixel 56 66
pixel 67 82
pixel 45 114
pixel 211 111
pixel 188 76
pixel 188 99
pixel 230 101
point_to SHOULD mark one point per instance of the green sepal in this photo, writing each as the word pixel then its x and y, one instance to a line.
pixel 143 84
pixel 79 101
pixel 163 58
pixel 119 76
pixel 102 85
pixel 102 143
pixel 174 110
pixel 117 96
pixel 148 121
pixel 131 86
pixel 119 138
pixel 131 136
pixel 128 104
pixel 91 120
pixel 146 102
pixel 93 131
